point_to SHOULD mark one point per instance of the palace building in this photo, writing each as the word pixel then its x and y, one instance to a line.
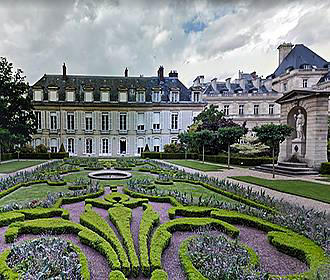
pixel 112 115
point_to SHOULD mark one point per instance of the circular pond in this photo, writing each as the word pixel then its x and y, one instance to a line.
pixel 109 175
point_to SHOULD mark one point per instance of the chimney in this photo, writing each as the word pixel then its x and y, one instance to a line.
pixel 201 79
pixel 242 84
pixel 126 72
pixel 161 73
pixel 214 84
pixel 173 74
pixel 283 51
pixel 64 71
pixel 228 84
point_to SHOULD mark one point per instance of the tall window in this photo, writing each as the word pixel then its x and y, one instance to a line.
pixel 241 109
pixel 226 110
pixel 305 83
pixel 140 96
pixel 140 122
pixel 156 145
pixel 156 121
pixel 140 145
pixel 156 96
pixel 89 121
pixel 122 96
pixel 38 117
pixel 53 145
pixel 271 109
pixel 196 97
pixel 174 121
pixel 256 109
pixel 53 121
pixel 285 87
pixel 105 146
pixel 105 122
pixel 175 96
pixel 70 145
pixel 89 145
pixel 123 121
pixel 70 121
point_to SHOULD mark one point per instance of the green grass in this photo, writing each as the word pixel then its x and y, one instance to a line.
pixel 13 166
pixel 320 192
pixel 195 190
pixel 206 167
pixel 32 192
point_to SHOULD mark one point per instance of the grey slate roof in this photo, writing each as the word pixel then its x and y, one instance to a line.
pixel 325 78
pixel 79 82
pixel 297 57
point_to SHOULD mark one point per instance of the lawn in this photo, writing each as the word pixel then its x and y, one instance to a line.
pixel 32 192
pixel 196 191
pixel 18 165
pixel 206 167
pixel 311 190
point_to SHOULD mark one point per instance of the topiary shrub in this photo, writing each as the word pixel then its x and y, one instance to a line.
pixel 325 168
pixel 40 149
pixel 146 149
pixel 62 149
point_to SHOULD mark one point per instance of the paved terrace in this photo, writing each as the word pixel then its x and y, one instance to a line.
pixel 238 171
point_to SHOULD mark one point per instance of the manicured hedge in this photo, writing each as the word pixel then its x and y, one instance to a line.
pixel 121 217
pixel 166 199
pixel 325 168
pixel 159 274
pixel 16 187
pixel 38 213
pixel 10 217
pixel 162 236
pixel 5 271
pixel 98 202
pixel 9 156
pixel 60 226
pixel 190 211
pixel 85 275
pixel 90 219
pixel 160 182
pixel 75 188
pixel 57 183
pixel 149 220
pixel 135 202
pixel 73 199
pixel 117 275
pixel 162 155
pixel 189 269
pixel 44 156
pixel 116 197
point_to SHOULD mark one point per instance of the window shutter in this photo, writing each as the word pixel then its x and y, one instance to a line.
pixel 83 121
pixel 94 121
pixel 75 120
pixel 58 120
pixel 100 146
pixel 180 120
pixel 93 146
pixel 110 120
pixel 48 120
pixel 65 120
pixel 65 142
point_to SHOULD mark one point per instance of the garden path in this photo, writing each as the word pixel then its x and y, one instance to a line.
pixel 237 171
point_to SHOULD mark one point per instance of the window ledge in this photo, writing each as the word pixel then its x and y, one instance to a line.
pixel 89 131
pixel 174 130
pixel 140 131
pixel 53 131
pixel 123 132
pixel 156 131
pixel 105 131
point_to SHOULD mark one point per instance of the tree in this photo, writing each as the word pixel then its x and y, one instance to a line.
pixel 62 149
pixel 146 149
pixel 202 139
pixel 5 137
pixel 251 146
pixel 229 136
pixel 272 135
pixel 16 113
pixel 41 149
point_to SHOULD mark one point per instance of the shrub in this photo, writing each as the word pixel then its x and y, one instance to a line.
pixel 159 274
pixel 149 219
pixel 27 148
pixel 40 149
pixel 121 217
pixel 117 275
pixel 173 148
pixel 62 149
pixel 96 223
pixel 325 168
pixel 146 149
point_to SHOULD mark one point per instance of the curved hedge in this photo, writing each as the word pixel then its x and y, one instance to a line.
pixel 73 199
pixel 190 211
pixel 159 274
pixel 60 226
pixel 98 202
pixel 117 275
pixel 163 234
pixel 116 197
pixel 121 217
pixel 149 220
pixel 90 219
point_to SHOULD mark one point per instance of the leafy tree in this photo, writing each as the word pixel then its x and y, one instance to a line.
pixel 27 149
pixel 41 149
pixel 272 135
pixel 5 138
pixel 203 139
pixel 16 113
pixel 229 136
pixel 173 148
pixel 251 146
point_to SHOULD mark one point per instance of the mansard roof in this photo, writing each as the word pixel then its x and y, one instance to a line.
pixel 114 83
pixel 297 57
pixel 325 78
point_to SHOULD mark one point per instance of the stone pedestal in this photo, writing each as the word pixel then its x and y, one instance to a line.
pixel 314 105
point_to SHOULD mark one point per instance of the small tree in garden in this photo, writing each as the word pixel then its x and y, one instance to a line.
pixel 146 149
pixel 62 149
pixel 229 136
pixel 202 139
pixel 272 135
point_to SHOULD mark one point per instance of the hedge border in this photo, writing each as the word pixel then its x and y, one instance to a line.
pixel 163 234
pixel 150 219
pixel 159 274
pixel 90 219
pixel 117 275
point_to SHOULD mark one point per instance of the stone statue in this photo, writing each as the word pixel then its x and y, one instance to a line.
pixel 300 122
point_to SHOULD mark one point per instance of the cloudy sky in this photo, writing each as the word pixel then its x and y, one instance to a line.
pixel 202 37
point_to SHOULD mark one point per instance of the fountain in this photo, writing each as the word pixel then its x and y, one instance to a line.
pixel 110 175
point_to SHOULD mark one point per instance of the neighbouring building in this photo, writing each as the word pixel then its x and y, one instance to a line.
pixel 112 115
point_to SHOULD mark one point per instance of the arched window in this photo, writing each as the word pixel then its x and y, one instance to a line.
pixel 140 145
pixel 156 144
pixel 89 145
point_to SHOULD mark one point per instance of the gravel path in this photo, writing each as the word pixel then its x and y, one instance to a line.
pixel 271 260
pixel 162 209
pixel 75 209
pixel 137 214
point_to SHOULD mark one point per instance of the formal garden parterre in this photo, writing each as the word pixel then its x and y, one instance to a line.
pixel 161 223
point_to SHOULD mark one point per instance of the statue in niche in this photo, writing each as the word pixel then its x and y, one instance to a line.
pixel 300 122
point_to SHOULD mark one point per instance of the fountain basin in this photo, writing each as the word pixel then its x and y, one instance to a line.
pixel 110 175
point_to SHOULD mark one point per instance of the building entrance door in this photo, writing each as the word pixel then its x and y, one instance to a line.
pixel 122 146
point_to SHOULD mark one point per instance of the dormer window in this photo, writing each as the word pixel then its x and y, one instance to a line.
pixel 140 96
pixel 307 66
pixel 105 96
pixel 37 95
pixel 174 96
pixel 156 96
pixel 196 96
pixel 88 96
pixel 122 96
pixel 70 96
pixel 52 95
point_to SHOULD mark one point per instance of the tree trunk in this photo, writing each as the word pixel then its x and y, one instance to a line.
pixel 273 162
pixel 185 153
pixel 203 154
pixel 228 156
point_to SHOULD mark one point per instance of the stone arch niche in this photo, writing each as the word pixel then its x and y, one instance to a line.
pixel 313 105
